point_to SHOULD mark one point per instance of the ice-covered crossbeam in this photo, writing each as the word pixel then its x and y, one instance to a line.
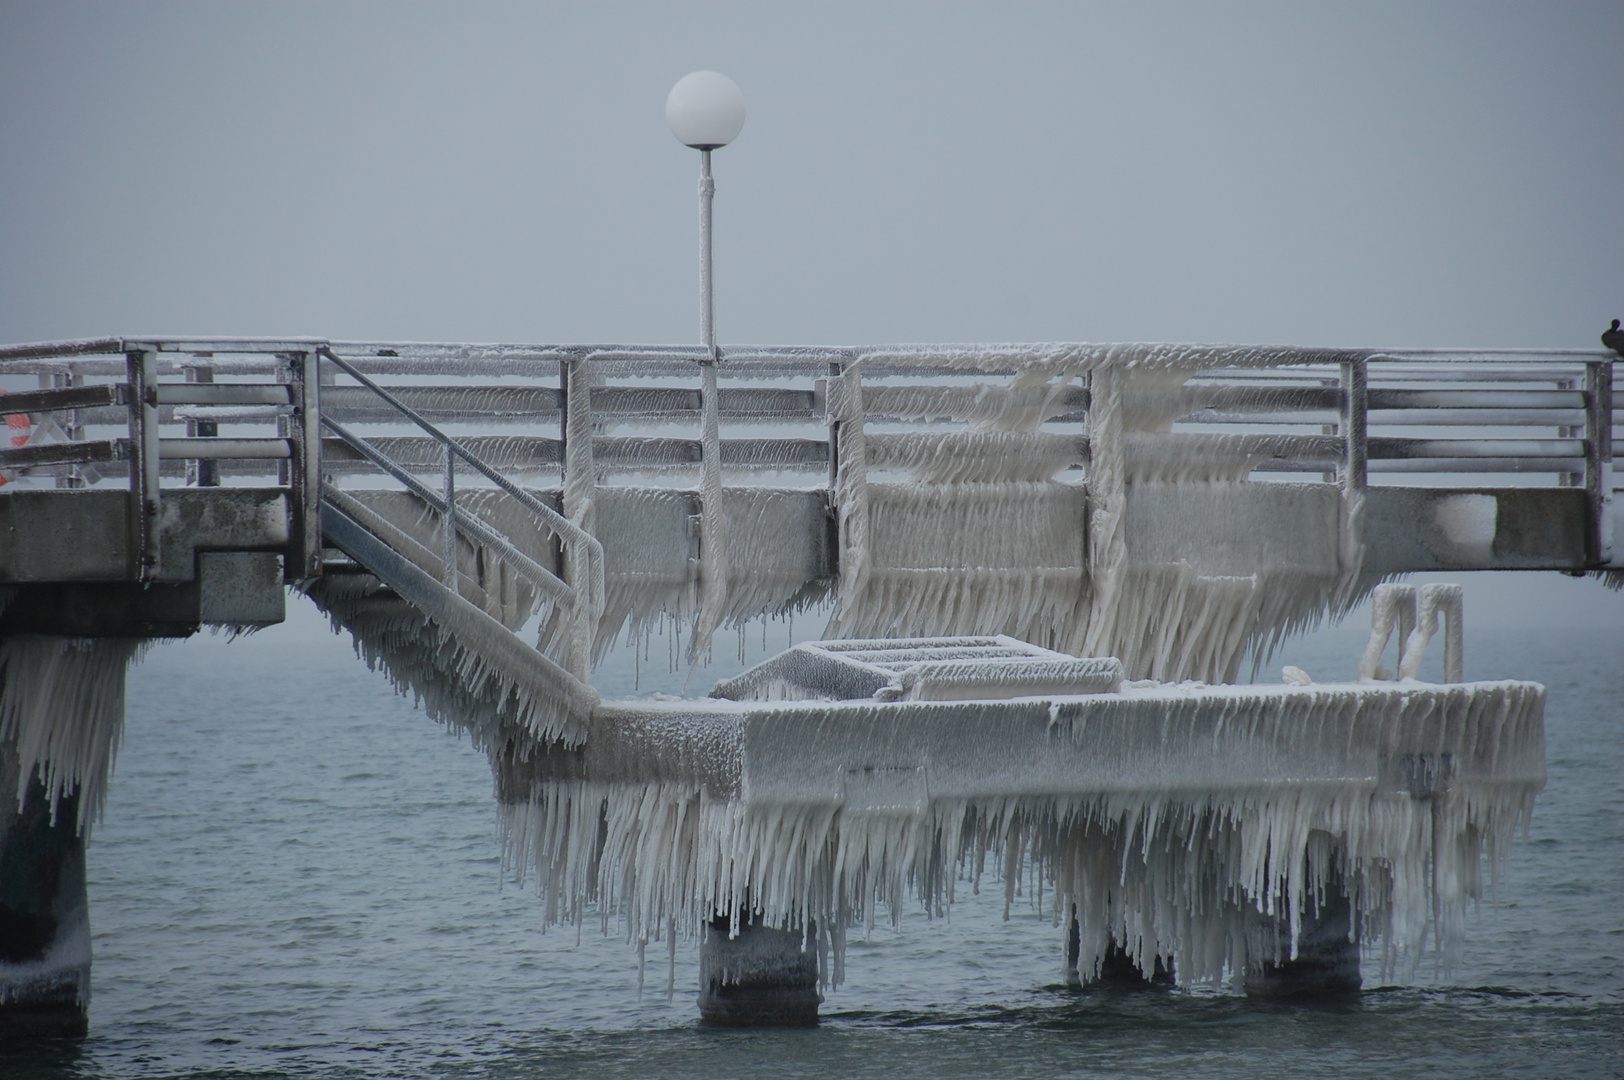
pixel 1363 740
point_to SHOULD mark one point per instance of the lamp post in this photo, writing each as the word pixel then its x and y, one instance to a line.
pixel 705 111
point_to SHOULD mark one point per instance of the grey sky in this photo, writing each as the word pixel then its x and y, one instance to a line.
pixel 1443 174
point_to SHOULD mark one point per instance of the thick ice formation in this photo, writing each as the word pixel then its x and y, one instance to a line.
pixel 984 538
pixel 62 707
pixel 1180 821
pixel 1177 820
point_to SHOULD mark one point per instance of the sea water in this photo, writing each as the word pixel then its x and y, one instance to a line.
pixel 297 875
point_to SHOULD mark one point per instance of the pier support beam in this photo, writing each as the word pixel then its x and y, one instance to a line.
pixel 1117 969
pixel 1327 960
pixel 44 914
pixel 760 978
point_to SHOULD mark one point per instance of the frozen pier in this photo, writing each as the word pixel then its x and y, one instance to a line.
pixel 1118 523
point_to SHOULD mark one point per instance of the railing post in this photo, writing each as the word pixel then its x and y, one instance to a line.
pixel 1599 460
pixel 1355 462
pixel 145 508
pixel 580 480
pixel 712 536
pixel 448 556
pixel 303 429
pixel 202 472
pixel 832 417
pixel 73 428
pixel 1105 540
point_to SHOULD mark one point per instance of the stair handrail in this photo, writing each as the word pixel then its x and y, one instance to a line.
pixel 587 604
pixel 543 579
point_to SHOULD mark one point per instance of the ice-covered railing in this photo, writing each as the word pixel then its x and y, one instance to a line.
pixel 136 412
pixel 584 600
pixel 903 442
pixel 1521 412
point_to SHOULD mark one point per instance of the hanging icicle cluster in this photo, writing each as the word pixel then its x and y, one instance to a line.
pixel 1171 850
pixel 62 707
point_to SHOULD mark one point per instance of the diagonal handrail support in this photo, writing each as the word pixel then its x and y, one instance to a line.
pixel 586 604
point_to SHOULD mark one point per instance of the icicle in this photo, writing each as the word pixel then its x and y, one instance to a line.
pixel 62 705
pixel 1208 874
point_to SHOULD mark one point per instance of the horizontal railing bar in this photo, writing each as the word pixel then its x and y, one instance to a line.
pixel 1394 448
pixel 224 394
pixel 44 350
pixel 1404 417
pixel 224 414
pixel 456 402
pixel 1159 353
pixel 63 398
pixel 68 453
pixel 50 350
pixel 1444 466
pixel 1404 398
pixel 535 451
pixel 210 448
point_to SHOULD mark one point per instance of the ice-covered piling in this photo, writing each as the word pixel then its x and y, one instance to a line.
pixel 61 715
pixel 1314 953
pixel 757 975
pixel 44 912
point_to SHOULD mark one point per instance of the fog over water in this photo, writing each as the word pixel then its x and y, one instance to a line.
pixel 297 874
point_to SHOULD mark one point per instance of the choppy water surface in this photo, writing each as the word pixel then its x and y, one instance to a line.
pixel 297 876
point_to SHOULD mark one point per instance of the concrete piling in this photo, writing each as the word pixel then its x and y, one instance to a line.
pixel 760 977
pixel 44 913
pixel 1117 969
pixel 1326 964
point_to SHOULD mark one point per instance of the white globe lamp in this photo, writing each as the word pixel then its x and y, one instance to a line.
pixel 705 110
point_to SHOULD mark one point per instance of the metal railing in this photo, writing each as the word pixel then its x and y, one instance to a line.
pixel 1353 417
pixel 584 552
pixel 140 399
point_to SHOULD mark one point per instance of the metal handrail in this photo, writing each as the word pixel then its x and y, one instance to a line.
pixel 558 523
pixel 587 605
pixel 538 575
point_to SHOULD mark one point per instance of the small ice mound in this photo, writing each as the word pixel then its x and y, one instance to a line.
pixel 1295 676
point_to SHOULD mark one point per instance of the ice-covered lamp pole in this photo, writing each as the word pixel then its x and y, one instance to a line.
pixel 706 111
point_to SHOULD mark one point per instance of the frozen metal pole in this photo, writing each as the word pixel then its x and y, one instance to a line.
pixel 706 112
pixel 707 297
